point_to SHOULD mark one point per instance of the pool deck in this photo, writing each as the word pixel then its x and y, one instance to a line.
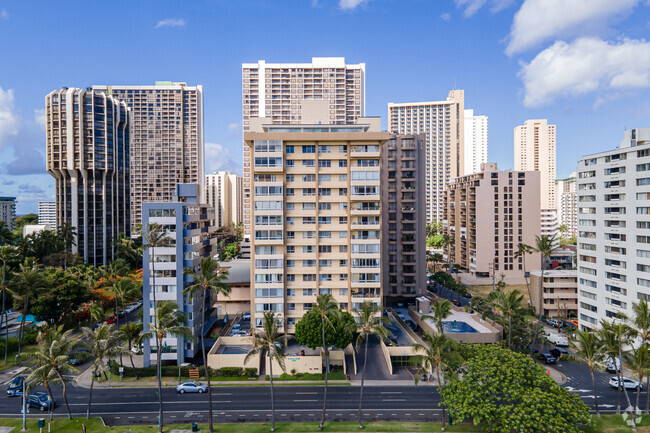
pixel 233 350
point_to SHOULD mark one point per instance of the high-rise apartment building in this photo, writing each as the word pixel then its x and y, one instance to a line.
pixel 567 204
pixel 47 213
pixel 614 230
pixel 489 214
pixel 280 91
pixel 476 142
pixel 87 138
pixel 166 139
pixel 187 224
pixel 223 191
pixel 8 211
pixel 403 217
pixel 442 122
pixel 316 214
pixel 535 150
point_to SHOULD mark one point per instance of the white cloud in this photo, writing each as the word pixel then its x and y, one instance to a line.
pixel 9 120
pixel 584 66
pixel 350 4
pixel 39 117
pixel 446 16
pixel 538 21
pixel 4 14
pixel 234 126
pixel 171 22
pixel 472 6
pixel 218 158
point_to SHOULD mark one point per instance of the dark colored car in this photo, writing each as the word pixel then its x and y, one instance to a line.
pixel 548 359
pixel 15 388
pixel 558 351
pixel 41 401
pixel 535 350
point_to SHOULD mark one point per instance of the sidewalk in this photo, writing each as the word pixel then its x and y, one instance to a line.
pixel 557 376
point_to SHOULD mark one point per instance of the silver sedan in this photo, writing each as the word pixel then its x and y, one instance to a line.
pixel 191 386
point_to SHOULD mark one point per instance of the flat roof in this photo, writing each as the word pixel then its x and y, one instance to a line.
pixel 556 273
pixel 239 271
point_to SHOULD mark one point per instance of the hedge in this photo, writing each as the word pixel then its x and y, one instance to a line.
pixel 28 339
pixel 171 370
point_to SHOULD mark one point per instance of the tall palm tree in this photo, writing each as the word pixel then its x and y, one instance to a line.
pixel 327 309
pixel 102 343
pixel 522 251
pixel 639 362
pixel 589 349
pixel 439 352
pixel 168 321
pixel 440 310
pixel 8 253
pixel 447 242
pixel 52 356
pixel 270 341
pixel 41 375
pixel 509 304
pixel 642 325
pixel 545 246
pixel 68 234
pixel 126 289
pixel 26 283
pixel 370 322
pixel 208 279
pixel 614 336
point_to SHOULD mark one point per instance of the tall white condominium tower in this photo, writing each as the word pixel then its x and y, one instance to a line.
pixel 8 211
pixel 224 193
pixel 614 230
pixel 535 150
pixel 442 122
pixel 278 91
pixel 166 139
pixel 47 213
pixel 476 142
pixel 567 203
pixel 87 139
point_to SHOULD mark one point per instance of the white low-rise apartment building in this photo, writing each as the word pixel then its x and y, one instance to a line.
pixel 614 229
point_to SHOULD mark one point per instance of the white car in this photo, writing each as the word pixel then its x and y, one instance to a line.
pixel 246 316
pixel 238 334
pixel 627 383
pixel 191 386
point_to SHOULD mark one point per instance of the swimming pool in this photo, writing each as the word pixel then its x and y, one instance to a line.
pixel 457 326
pixel 233 350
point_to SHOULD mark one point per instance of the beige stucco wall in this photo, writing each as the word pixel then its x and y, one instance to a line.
pixel 221 360
pixel 302 364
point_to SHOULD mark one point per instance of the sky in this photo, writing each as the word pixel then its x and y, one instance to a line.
pixel 582 64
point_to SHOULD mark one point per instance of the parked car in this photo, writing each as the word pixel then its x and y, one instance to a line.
pixel 73 361
pixel 238 334
pixel 191 386
pixel 41 401
pixel 188 364
pixel 548 359
pixel 111 320
pixel 246 316
pixel 535 350
pixel 554 323
pixel 467 295
pixel 627 383
pixel 558 340
pixel 121 314
pixel 558 351
pixel 135 349
pixel 611 365
pixel 15 388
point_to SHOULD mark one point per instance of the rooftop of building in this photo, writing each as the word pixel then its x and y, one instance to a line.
pixel 239 271
pixel 560 273
pixel 316 62
pixel 633 138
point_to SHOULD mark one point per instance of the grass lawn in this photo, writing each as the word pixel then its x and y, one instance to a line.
pixel 26 353
pixel 616 424
pixel 486 290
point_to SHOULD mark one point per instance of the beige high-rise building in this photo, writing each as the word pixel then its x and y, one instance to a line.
pixel 442 122
pixel 403 216
pixel 535 150
pixel 166 140
pixel 87 147
pixel 223 191
pixel 279 92
pixel 489 214
pixel 316 215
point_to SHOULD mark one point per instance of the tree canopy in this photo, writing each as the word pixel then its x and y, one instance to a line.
pixel 340 334
pixel 506 392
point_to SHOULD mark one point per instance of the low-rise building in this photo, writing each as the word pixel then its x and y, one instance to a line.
pixel 239 280
pixel 47 213
pixel 559 294
pixel 30 229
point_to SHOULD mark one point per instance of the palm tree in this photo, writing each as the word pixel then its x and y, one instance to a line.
pixel 440 310
pixel 207 280
pixel 509 304
pixel 7 254
pixel 370 322
pixel 614 335
pixel 439 352
pixel 126 289
pixel 102 343
pixel 168 320
pixel 27 282
pixel 447 242
pixel 67 233
pixel 642 326
pixel 639 362
pixel 55 347
pixel 269 340
pixel 589 349
pixel 436 258
pixel 41 375
pixel 97 312
pixel 545 246
pixel 327 309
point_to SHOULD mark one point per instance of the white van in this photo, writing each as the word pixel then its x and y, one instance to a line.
pixel 558 340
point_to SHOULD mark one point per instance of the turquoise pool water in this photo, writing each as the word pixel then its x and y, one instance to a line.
pixel 457 326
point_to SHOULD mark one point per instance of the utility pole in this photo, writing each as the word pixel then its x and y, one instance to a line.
pixel 494 284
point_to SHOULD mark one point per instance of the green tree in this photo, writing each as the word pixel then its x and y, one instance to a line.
pixel 642 325
pixel 269 341
pixel 370 322
pixel 229 252
pixel 515 394
pixel 6 236
pixel 102 343
pixel 41 375
pixel 26 283
pixel 68 235
pixel 545 246
pixel 508 304
pixel 207 280
pixel 23 220
pixel 309 330
pixel 126 289
pixel 615 335
pixel 60 297
pixel 8 254
pixel 168 320
pixel 447 243
pixel 589 349
pixel 639 362
pixel 440 310
pixel 128 250
pixel 53 352
pixel 524 250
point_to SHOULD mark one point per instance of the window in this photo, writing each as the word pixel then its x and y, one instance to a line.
pixel 309 263
pixel 343 163
pixel 325 263
pixel 268 220
pixel 324 235
pixel 324 220
pixel 289 149
pixel 325 277
pixel 308 178
pixel 364 175
pixel 291 263
pixel 588 283
pixel 308 191
pixel 324 206
pixel 309 235
pixel 263 161
pixel 308 206
pixel 324 149
pixel 264 235
pixel 324 163
pixel 324 192
pixel 588 295
pixel 324 249
pixel 309 220
pixel 291 206
pixel 290 249
pixel 364 190
pixel 268 190
pixel 309 277
pixel 308 149
pixel 290 220
pixel 308 163
pixel 268 146
pixel 343 191
pixel 290 163
pixel 324 178
pixel 367 163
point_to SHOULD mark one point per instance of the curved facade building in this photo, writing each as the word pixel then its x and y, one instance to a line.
pixel 88 156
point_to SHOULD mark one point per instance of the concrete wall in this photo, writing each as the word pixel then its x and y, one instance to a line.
pixel 232 360
pixel 386 353
pixel 302 364
pixel 463 337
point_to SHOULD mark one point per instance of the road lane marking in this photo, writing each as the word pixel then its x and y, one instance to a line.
pixel 390 392
pixel 304 400
pixel 311 393
pixel 394 399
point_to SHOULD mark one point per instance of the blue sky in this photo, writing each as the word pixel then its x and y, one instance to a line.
pixel 583 64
